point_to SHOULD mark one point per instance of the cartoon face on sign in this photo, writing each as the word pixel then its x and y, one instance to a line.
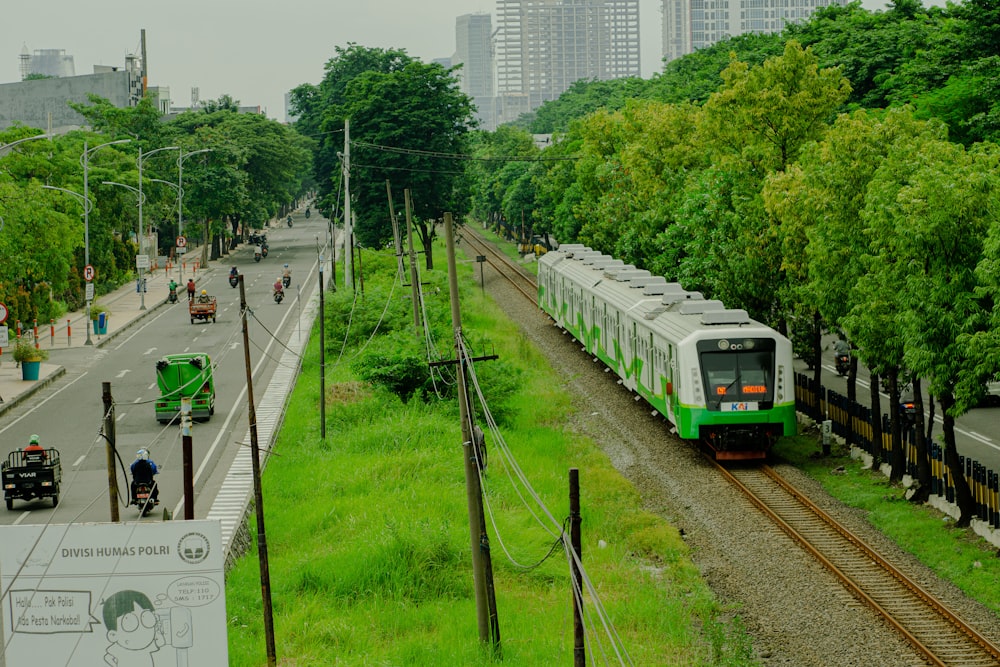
pixel 133 631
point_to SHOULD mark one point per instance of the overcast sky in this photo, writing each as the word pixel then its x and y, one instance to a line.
pixel 253 50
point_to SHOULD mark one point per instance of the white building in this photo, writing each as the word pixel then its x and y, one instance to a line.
pixel 474 51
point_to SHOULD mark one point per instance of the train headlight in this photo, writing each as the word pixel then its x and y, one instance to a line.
pixel 749 344
pixel 723 344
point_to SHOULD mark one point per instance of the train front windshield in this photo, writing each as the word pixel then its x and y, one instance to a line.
pixel 738 372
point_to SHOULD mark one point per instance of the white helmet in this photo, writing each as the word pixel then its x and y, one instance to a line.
pixel 142 454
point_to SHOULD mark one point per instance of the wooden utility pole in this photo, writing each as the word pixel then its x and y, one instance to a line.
pixel 322 354
pixel 348 222
pixel 265 572
pixel 109 437
pixel 579 650
pixel 482 567
pixel 187 457
pixel 397 237
pixel 414 278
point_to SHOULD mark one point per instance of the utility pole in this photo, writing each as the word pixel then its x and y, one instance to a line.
pixel 397 240
pixel 322 355
pixel 109 437
pixel 187 455
pixel 265 572
pixel 579 649
pixel 482 567
pixel 414 278
pixel 348 226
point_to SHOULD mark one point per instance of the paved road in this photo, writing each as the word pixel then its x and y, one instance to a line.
pixel 67 413
pixel 977 433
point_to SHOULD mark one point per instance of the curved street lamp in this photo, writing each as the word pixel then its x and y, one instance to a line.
pixel 87 206
pixel 139 162
pixel 180 198
pixel 21 141
pixel 142 198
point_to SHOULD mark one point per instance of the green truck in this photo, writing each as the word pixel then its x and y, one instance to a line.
pixel 181 376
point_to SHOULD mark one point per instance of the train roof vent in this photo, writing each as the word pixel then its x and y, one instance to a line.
pixel 660 288
pixel 700 307
pixel 584 254
pixel 594 259
pixel 683 296
pixel 570 247
pixel 604 263
pixel 623 276
pixel 612 271
pixel 727 316
pixel 639 283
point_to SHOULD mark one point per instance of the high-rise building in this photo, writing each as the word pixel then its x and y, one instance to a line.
pixel 474 51
pixel 689 25
pixel 544 46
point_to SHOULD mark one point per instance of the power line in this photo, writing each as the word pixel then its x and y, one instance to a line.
pixel 463 156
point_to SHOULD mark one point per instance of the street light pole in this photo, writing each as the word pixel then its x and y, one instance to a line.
pixel 180 198
pixel 87 205
pixel 21 141
pixel 85 161
pixel 141 269
pixel 141 197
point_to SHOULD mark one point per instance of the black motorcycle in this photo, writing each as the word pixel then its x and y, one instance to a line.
pixel 278 295
pixel 289 221
pixel 172 295
pixel 234 280
pixel 263 250
pixel 843 364
pixel 286 281
pixel 307 214
pixel 257 254
pixel 142 497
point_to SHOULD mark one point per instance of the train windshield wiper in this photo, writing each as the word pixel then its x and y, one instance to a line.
pixel 725 391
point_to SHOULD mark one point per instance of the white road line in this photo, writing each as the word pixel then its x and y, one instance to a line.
pixel 54 394
pixel 79 460
pixel 139 398
pixel 121 417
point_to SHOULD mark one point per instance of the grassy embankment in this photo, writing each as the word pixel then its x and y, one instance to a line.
pixel 368 534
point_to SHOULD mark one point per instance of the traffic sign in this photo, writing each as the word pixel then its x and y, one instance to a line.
pixel 3 313
pixel 181 241
pixel 4 337
pixel 88 273
pixel 89 296
pixel 142 261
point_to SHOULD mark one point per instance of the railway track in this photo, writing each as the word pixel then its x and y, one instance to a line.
pixel 503 265
pixel 935 631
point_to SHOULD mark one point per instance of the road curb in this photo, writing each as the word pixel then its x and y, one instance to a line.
pixel 31 391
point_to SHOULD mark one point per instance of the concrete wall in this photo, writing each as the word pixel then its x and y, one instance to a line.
pixel 31 102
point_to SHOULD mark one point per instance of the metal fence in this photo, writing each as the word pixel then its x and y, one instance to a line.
pixel 819 403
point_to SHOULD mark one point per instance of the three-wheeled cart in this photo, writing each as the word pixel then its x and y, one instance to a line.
pixel 202 310
pixel 32 474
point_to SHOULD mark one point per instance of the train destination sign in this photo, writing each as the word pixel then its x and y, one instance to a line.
pixel 113 594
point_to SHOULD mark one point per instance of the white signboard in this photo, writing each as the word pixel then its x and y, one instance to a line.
pixel 113 594
pixel 89 292
pixel 4 337
pixel 142 261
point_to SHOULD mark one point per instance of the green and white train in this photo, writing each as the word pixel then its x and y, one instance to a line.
pixel 718 376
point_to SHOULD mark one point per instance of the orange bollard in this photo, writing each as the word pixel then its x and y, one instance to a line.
pixel 19 329
pixel 69 333
pixel 35 331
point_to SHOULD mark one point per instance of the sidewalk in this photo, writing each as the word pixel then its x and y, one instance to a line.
pixel 71 331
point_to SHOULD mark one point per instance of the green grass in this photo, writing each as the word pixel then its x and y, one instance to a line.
pixel 368 535
pixel 958 555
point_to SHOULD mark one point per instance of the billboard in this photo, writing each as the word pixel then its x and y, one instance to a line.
pixel 127 594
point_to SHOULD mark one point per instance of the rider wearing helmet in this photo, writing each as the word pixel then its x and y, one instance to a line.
pixel 143 470
pixel 34 452
pixel 204 298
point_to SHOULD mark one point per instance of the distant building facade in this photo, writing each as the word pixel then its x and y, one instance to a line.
pixel 544 46
pixel 42 103
pixel 689 25
pixel 474 51
pixel 47 62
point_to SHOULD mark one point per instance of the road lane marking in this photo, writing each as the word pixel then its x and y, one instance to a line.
pixel 122 373
pixel 79 460
pixel 54 394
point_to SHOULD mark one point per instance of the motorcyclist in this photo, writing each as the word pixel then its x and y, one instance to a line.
pixel 278 286
pixel 289 220
pixel 234 272
pixel 841 348
pixel 143 469
pixel 286 275
pixel 172 289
